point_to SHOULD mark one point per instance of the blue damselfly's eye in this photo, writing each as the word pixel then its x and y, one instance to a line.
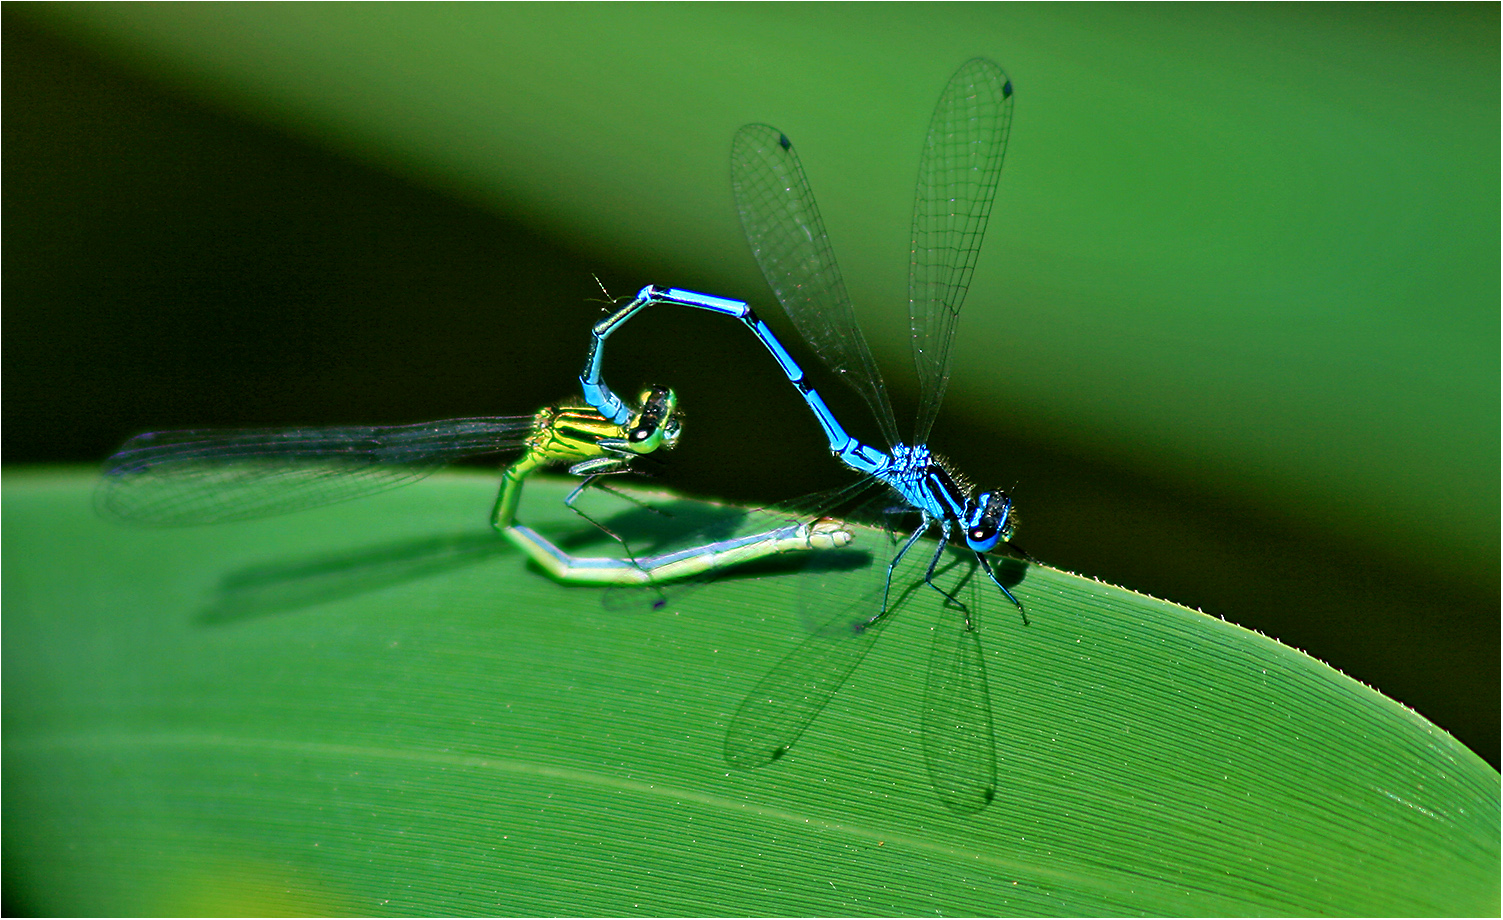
pixel 990 521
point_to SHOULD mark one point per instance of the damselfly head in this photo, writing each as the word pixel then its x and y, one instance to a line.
pixel 657 424
pixel 989 520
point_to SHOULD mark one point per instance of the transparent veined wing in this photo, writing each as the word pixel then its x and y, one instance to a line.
pixel 788 238
pixel 958 172
pixel 781 706
pixel 958 734
pixel 215 475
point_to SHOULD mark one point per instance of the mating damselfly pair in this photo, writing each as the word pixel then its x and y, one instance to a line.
pixel 201 476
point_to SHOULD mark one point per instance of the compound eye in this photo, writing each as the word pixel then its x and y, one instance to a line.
pixel 982 538
pixel 671 430
pixel 661 400
pixel 989 522
pixel 1008 527
pixel 642 437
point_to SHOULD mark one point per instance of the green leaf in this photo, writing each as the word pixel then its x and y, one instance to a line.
pixel 378 708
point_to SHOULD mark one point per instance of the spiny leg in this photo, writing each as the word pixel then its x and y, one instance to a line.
pixel 887 586
pixel 569 503
pixel 628 497
pixel 939 551
pixel 987 567
pixel 1013 547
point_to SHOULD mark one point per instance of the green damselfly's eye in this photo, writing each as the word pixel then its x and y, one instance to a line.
pixel 657 423
pixel 672 429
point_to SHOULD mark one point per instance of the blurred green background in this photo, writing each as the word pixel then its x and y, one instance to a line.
pixel 1232 340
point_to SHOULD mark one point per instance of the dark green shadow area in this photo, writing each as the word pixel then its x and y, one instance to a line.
pixel 294 584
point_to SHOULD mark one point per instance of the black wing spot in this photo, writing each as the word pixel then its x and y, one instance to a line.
pixel 1007 90
pixel 785 143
